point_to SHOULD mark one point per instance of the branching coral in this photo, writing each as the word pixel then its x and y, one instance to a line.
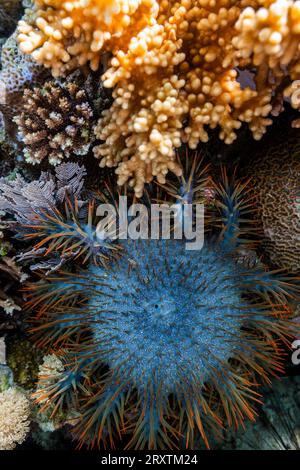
pixel 14 418
pixel 167 343
pixel 175 70
pixel 56 122
pixel 275 173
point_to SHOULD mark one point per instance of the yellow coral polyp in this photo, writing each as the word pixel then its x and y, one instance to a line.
pixel 175 68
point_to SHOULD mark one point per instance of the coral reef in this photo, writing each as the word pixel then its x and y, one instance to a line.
pixel 56 122
pixel 17 72
pixel 11 276
pixel 131 365
pixel 177 69
pixel 275 176
pixel 14 418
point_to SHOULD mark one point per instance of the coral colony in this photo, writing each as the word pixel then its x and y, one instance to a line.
pixel 149 224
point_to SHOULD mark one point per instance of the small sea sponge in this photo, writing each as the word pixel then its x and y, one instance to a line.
pixel 276 174
pixel 14 418
pixel 56 122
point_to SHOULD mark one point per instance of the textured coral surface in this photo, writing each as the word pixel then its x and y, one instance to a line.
pixel 276 177
pixel 55 122
pixel 177 70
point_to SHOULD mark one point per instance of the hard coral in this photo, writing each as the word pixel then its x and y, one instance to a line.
pixel 11 276
pixel 68 34
pixel 275 174
pixel 18 72
pixel 175 71
pixel 269 36
pixel 56 122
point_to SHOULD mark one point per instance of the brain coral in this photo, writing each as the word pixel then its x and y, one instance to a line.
pixel 276 176
pixel 163 343
pixel 14 418
pixel 175 70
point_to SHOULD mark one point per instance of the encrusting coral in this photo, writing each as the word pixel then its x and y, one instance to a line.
pixel 275 174
pixel 175 70
pixel 131 365
pixel 14 418
pixel 55 122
